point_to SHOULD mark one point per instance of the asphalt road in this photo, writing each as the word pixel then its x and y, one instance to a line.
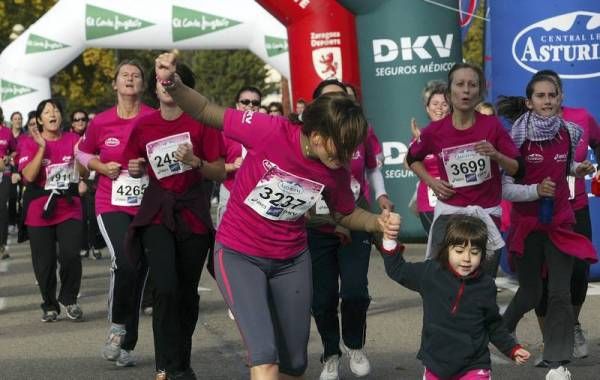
pixel 30 349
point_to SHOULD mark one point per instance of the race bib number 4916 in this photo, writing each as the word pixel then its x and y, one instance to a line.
pixel 280 195
pixel 464 166
pixel 60 176
pixel 161 154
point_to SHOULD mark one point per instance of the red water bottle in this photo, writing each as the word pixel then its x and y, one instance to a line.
pixel 596 186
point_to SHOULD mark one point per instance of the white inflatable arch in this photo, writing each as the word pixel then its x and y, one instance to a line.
pixel 71 26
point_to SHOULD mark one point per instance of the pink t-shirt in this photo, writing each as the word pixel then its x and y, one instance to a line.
pixel 545 159
pixel 265 214
pixel 107 136
pixel 233 150
pixel 59 151
pixel 7 145
pixel 426 198
pixel 590 137
pixel 441 134
pixel 206 145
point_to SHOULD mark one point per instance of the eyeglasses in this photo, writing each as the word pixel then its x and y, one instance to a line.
pixel 80 119
pixel 246 102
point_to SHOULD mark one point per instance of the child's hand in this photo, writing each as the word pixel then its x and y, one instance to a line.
pixel 390 224
pixel 521 356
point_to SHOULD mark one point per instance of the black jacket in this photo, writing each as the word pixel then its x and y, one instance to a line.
pixel 460 316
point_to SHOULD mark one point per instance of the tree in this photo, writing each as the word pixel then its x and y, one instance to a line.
pixel 221 73
pixel 473 46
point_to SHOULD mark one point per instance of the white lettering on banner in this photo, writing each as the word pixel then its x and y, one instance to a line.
pixel 302 3
pixel 115 23
pixel 327 54
pixel 398 173
pixel 394 152
pixel 203 24
pixel 387 50
pixel 409 46
pixel 570 43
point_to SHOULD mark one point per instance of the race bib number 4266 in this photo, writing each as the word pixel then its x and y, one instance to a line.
pixel 280 195
pixel 464 166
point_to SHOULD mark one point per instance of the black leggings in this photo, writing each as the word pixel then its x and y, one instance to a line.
pixel 126 282
pixel 558 326
pixel 581 269
pixel 4 195
pixel 42 241
pixel 175 267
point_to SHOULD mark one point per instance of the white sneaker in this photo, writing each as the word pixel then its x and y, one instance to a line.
pixel 230 315
pixel 125 359
pixel 580 346
pixel 359 363
pixel 560 373
pixel 331 368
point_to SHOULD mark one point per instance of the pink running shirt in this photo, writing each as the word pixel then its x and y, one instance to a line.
pixel 107 137
pixel 272 183
pixel 441 134
pixel 57 152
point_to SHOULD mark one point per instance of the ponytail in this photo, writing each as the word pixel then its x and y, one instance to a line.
pixel 511 107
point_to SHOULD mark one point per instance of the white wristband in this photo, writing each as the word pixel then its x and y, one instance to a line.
pixel 389 245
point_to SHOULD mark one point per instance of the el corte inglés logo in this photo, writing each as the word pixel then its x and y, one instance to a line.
pixel 11 90
pixel 275 45
pixel 39 44
pixel 100 22
pixel 188 23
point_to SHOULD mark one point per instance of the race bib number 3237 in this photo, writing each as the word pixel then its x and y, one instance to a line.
pixel 280 195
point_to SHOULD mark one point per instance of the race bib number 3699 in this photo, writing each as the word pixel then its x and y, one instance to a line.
pixel 464 166
pixel 280 195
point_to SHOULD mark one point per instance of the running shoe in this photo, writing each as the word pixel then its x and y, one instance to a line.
pixel 331 368
pixel 49 316
pixel 74 312
pixel 147 310
pixel 560 373
pixel 580 346
pixel 160 375
pixel 112 348
pixel 84 253
pixel 359 362
pixel 3 254
pixel 125 359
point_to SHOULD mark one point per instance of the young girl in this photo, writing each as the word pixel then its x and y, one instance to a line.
pixel 262 264
pixel 544 242
pixel 460 314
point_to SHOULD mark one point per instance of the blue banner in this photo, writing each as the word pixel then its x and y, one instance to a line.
pixel 564 36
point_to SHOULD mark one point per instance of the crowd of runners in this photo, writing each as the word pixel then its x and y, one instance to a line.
pixel 294 231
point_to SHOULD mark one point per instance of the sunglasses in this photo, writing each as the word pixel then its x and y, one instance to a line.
pixel 246 102
pixel 80 119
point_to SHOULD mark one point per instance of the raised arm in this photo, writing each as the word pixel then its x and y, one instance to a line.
pixel 189 100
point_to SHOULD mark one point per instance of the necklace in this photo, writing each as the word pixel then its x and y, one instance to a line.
pixel 305 142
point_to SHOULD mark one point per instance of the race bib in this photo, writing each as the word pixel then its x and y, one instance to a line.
pixel 60 176
pixel 431 197
pixel 161 154
pixel 128 191
pixel 571 182
pixel 280 195
pixel 464 166
pixel 355 187
pixel 321 208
